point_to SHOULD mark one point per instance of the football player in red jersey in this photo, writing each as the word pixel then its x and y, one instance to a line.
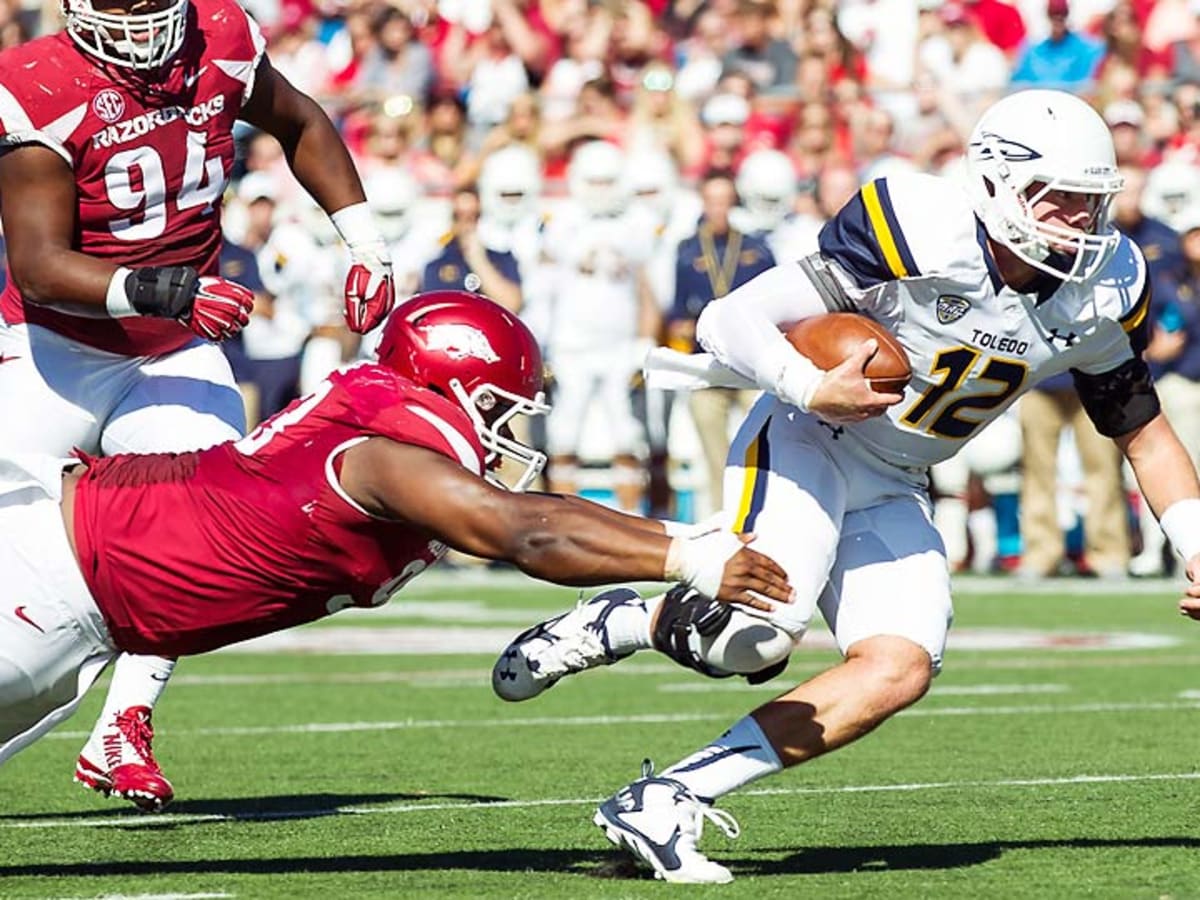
pixel 118 140
pixel 340 500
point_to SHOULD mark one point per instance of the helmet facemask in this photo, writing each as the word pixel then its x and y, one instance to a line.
pixel 1066 253
pixel 480 406
pixel 141 41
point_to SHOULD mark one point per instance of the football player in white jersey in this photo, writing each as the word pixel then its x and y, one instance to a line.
pixel 603 317
pixel 768 188
pixel 989 290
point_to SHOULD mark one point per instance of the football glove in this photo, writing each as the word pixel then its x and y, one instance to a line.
pixel 370 288
pixel 220 309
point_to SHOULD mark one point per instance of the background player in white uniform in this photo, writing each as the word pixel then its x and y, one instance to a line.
pixel 768 188
pixel 118 135
pixel 832 476
pixel 603 318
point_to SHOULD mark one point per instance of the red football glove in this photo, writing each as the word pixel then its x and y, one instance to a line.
pixel 370 289
pixel 221 309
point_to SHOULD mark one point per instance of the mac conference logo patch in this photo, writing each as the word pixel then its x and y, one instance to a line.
pixel 951 308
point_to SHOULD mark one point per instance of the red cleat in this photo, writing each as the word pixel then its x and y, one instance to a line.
pixel 119 760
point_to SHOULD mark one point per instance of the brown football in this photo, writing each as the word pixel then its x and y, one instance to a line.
pixel 827 340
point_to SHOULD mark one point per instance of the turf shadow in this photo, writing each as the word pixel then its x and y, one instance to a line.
pixel 283 806
pixel 605 864
pixel 820 860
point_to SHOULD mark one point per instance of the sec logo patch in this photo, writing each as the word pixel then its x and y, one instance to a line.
pixel 109 105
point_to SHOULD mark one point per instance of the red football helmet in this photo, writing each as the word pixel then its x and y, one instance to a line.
pixel 473 351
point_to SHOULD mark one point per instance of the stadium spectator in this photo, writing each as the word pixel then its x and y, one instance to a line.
pixel 493 77
pixel 702 54
pixel 444 162
pixel 962 61
pixel 391 133
pixel 724 118
pixel 874 136
pixel 709 264
pixel 1065 59
pixel 769 62
pixel 466 263
pixel 598 117
pixel 397 63
pixel 1125 118
pixel 350 497
pixel 662 121
pixel 1122 35
pixel 1000 22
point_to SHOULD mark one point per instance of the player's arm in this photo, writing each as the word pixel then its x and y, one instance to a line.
pixel 38 200
pixel 743 331
pixel 315 151
pixel 1168 480
pixel 322 164
pixel 38 203
pixel 567 541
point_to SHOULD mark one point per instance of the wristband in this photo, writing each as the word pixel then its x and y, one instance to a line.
pixel 117 301
pixel 1180 522
pixel 356 225
pixel 164 292
pixel 798 380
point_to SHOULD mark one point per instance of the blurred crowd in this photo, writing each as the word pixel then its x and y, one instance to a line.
pixel 605 167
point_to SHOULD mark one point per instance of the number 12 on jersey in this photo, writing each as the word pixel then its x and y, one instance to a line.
pixel 956 363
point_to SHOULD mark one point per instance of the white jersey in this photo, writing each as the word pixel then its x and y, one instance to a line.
pixel 597 264
pixel 909 252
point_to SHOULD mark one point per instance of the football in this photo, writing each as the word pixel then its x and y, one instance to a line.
pixel 827 340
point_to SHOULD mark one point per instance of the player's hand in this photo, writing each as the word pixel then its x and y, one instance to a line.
pixel 844 394
pixel 754 580
pixel 1190 604
pixel 220 310
pixel 370 288
pixel 720 564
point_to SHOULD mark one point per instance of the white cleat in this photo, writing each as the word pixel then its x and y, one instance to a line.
pixel 572 642
pixel 660 821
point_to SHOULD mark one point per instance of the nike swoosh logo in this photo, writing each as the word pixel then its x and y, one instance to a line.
pixel 189 80
pixel 4 359
pixel 158 677
pixel 19 612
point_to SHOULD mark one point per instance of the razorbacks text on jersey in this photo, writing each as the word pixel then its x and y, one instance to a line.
pixel 187 552
pixel 150 158
pixel 909 251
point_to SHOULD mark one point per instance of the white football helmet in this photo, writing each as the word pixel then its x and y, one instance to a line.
pixel 133 40
pixel 391 194
pixel 767 186
pixel 596 178
pixel 1172 193
pixel 653 180
pixel 1029 144
pixel 510 185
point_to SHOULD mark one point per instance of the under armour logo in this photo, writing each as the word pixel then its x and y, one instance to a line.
pixel 836 431
pixel 1068 339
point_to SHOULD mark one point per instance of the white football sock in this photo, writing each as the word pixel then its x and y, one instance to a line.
pixel 136 681
pixel 629 625
pixel 739 756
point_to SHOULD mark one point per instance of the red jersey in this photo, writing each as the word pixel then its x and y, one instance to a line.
pixel 151 157
pixel 187 552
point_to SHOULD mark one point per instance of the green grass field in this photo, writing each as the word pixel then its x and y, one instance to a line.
pixel 1062 764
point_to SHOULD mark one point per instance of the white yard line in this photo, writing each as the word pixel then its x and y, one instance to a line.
pixel 169 819
pixel 638 719
pixel 962 690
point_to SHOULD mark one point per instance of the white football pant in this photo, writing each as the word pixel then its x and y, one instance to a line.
pixel 53 641
pixel 57 394
pixel 854 534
